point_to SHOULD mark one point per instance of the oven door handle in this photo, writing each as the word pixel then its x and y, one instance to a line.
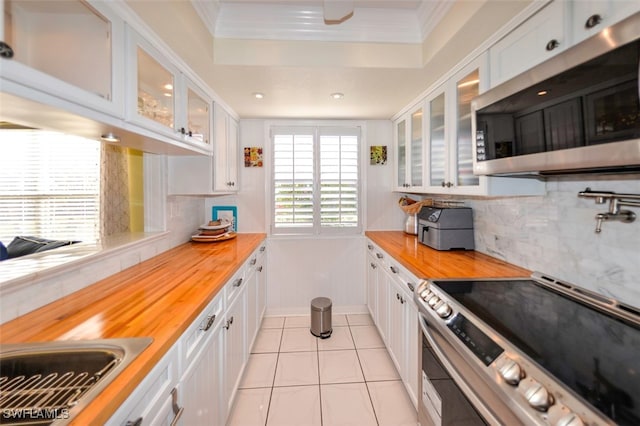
pixel 483 408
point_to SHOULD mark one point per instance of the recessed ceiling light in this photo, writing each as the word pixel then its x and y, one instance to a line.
pixel 337 95
pixel 542 93
pixel 167 94
pixel 258 95
pixel 168 86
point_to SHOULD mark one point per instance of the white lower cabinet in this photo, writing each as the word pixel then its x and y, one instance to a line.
pixel 261 284
pixel 396 315
pixel 200 388
pixel 235 351
pixel 196 380
pixel 152 401
pixel 372 287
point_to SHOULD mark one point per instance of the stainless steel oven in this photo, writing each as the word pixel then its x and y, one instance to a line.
pixel 530 351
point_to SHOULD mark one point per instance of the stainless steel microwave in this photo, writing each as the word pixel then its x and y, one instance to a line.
pixel 577 112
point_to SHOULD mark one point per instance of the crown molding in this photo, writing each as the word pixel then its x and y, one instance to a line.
pixel 306 22
pixel 429 14
pixel 208 12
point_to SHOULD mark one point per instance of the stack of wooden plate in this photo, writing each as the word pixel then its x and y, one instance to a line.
pixel 216 230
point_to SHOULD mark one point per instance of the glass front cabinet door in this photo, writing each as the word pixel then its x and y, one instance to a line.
pixel 449 142
pixel 67 48
pixel 199 117
pixel 155 89
pixel 409 150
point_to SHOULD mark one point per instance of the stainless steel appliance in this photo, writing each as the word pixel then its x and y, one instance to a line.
pixel 577 112
pixel 532 351
pixel 446 228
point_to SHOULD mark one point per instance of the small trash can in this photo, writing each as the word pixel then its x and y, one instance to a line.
pixel 321 317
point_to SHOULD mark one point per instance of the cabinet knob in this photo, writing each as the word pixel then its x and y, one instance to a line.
pixel 373 265
pixel 379 255
pixel 136 422
pixel 592 21
pixel 7 52
pixel 442 183
pixel 238 282
pixel 259 269
pixel 552 45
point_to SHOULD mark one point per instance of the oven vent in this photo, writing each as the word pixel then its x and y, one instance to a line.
pixel 629 309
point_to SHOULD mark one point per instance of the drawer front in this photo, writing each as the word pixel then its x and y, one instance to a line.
pixel 234 285
pixel 196 335
pixel 152 393
pixel 405 279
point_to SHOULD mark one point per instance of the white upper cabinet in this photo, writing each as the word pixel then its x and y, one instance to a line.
pixel 434 140
pixel 589 17
pixel 153 81
pixel 199 116
pixel 539 38
pixel 226 151
pixel 162 99
pixel 73 50
pixel 553 29
pixel 449 142
pixel 409 138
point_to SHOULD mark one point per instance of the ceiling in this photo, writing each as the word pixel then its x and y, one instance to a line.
pixel 283 49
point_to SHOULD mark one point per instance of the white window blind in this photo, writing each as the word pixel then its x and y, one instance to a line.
pixel 315 180
pixel 49 186
pixel 338 178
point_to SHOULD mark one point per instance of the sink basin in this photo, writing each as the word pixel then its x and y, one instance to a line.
pixel 50 382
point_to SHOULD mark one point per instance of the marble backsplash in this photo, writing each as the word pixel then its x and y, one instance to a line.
pixel 555 234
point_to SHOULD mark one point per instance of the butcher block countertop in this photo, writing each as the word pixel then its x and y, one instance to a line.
pixel 425 262
pixel 158 298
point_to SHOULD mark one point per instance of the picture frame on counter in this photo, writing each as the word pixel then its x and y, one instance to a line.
pixel 229 213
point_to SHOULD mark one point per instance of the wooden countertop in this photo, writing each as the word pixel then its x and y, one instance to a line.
pixel 425 262
pixel 157 298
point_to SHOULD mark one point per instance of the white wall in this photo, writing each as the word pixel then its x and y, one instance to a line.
pixel 301 268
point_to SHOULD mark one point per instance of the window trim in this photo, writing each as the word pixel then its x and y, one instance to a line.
pixel 316 229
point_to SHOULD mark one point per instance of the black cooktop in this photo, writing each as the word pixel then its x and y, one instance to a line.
pixel 591 351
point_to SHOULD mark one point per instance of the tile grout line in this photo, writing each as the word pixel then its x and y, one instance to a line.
pixel 375 415
pixel 319 381
pixel 275 371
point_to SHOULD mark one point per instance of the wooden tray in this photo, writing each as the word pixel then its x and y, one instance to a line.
pixel 213 238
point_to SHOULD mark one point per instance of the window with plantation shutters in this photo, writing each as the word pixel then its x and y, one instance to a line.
pixel 49 186
pixel 315 180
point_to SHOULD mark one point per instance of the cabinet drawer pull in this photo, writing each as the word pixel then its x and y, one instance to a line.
pixel 379 255
pixel 136 422
pixel 238 282
pixel 393 269
pixel 397 296
pixel 592 21
pixel 411 287
pixel 177 410
pixel 253 261
pixel 369 246
pixel 259 268
pixel 552 45
pixel 210 321
pixel 262 249
pixel 373 265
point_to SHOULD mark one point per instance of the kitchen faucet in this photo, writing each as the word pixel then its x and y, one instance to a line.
pixel 615 202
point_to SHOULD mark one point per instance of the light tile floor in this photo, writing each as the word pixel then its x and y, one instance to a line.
pixel 294 378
